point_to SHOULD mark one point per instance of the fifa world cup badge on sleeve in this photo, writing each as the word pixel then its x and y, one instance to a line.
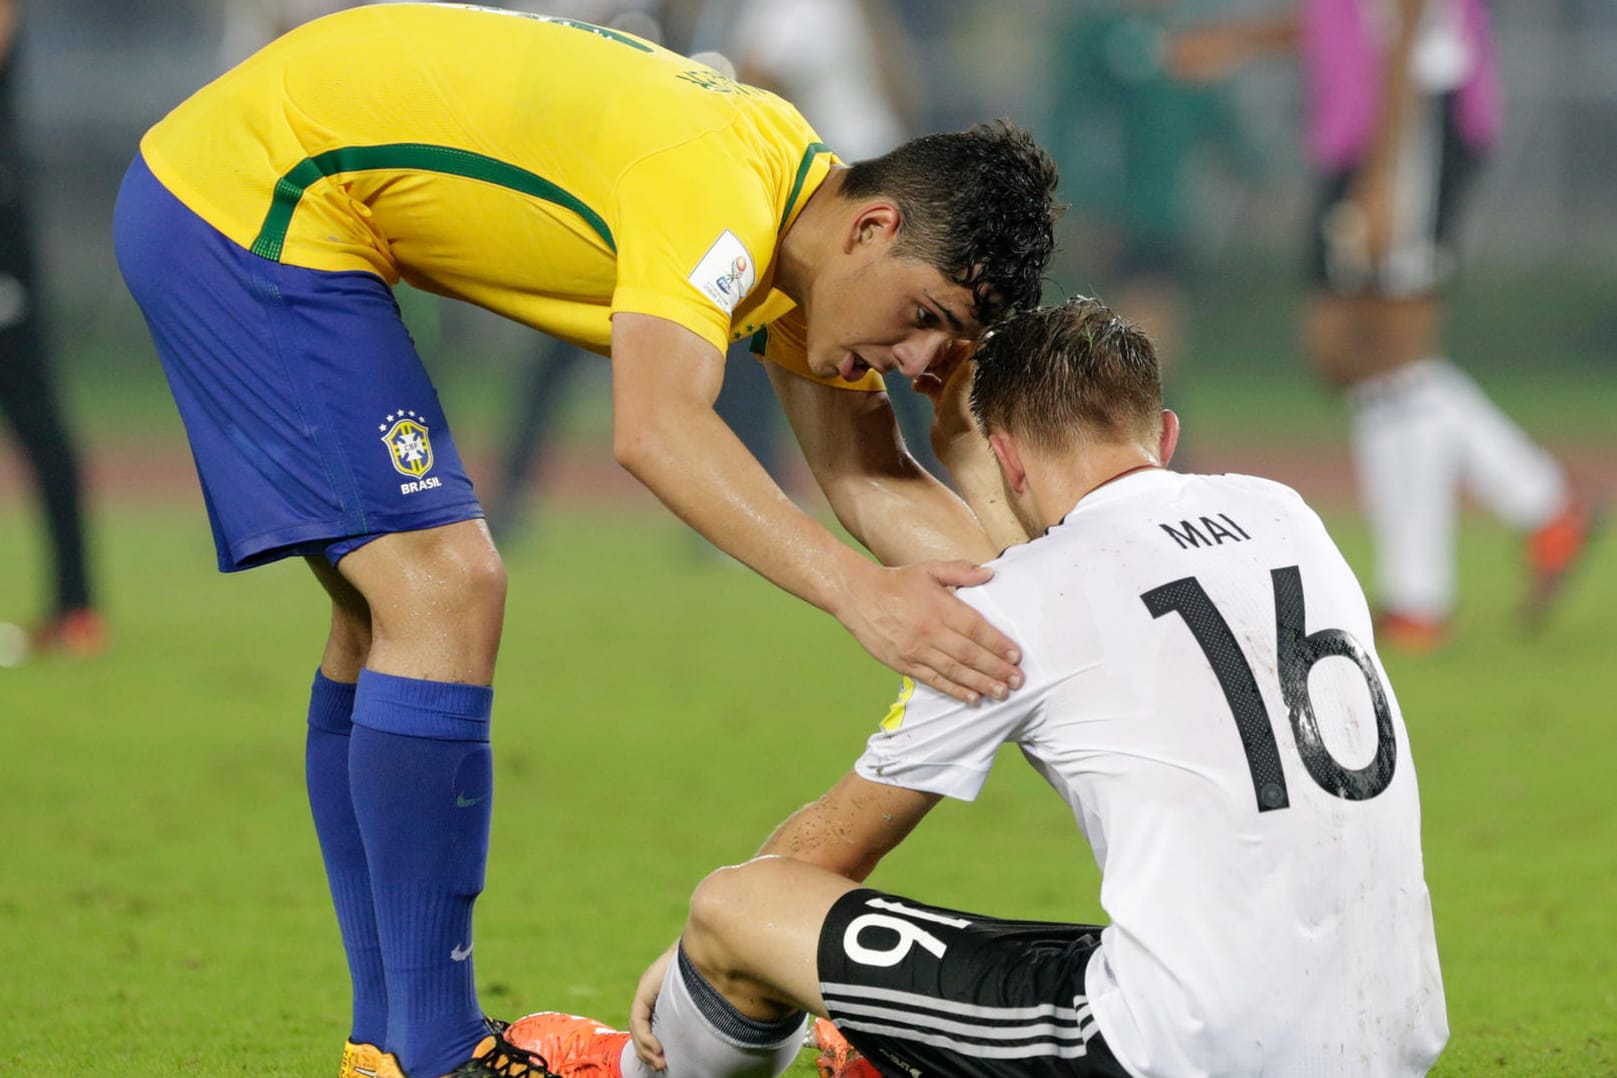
pixel 409 446
pixel 726 273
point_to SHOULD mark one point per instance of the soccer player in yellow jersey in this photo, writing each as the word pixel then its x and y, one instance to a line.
pixel 608 192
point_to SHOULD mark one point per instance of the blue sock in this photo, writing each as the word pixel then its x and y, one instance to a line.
pixel 331 708
pixel 422 779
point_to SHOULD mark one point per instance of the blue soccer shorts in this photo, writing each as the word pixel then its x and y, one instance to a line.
pixel 314 425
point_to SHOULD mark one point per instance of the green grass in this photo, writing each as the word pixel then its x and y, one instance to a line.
pixel 162 908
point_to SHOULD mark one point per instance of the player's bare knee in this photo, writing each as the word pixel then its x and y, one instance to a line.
pixel 450 573
pixel 476 578
pixel 715 904
pixel 721 911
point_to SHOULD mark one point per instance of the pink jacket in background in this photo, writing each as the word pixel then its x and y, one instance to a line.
pixel 1342 63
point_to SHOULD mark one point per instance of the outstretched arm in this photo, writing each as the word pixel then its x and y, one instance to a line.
pixel 1215 51
pixel 664 382
pixel 1374 190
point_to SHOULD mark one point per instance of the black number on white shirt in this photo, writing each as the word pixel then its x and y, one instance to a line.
pixel 1298 650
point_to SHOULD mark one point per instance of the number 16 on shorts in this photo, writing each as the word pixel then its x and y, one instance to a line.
pixel 886 938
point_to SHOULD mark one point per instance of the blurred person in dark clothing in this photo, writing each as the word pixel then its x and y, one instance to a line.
pixel 845 65
pixel 1127 133
pixel 28 395
pixel 849 65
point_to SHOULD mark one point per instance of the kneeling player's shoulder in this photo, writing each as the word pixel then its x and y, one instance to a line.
pixel 1257 486
pixel 1255 489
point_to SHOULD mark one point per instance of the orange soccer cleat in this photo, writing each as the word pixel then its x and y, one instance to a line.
pixel 75 634
pixel 1411 634
pixel 573 1046
pixel 1553 550
pixel 496 1056
pixel 838 1058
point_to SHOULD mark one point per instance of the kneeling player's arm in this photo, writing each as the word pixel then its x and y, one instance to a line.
pixel 892 505
pixel 851 827
pixel 963 449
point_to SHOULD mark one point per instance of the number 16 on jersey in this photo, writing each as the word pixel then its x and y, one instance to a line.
pixel 1299 651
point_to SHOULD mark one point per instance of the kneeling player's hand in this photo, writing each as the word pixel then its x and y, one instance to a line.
pixel 947 385
pixel 646 1044
pixel 909 619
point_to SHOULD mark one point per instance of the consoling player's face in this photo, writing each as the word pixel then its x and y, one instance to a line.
pixel 878 311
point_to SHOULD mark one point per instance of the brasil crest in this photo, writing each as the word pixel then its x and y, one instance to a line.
pixel 408 444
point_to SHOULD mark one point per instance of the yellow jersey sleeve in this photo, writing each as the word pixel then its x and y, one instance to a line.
pixel 551 171
pixel 694 243
pixel 784 342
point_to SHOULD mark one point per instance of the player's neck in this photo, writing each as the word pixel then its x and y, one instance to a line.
pixel 808 244
pixel 1061 481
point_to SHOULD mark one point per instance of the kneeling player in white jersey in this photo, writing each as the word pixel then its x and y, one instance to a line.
pixel 1203 691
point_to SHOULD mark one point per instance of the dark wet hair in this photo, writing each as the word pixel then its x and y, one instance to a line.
pixel 1057 375
pixel 979 205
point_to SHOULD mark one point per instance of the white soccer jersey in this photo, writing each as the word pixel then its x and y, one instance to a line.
pixel 1203 691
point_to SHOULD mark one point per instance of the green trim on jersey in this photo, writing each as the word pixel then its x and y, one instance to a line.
pixel 759 344
pixel 813 151
pixel 419 157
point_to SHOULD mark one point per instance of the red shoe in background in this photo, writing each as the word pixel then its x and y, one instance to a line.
pixel 1410 634
pixel 1553 551
pixel 77 634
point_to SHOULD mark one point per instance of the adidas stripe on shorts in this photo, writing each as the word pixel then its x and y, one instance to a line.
pixel 923 991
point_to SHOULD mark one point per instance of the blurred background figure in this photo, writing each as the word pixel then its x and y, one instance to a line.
pixel 1533 321
pixel 845 65
pixel 1126 133
pixel 553 374
pixel 533 426
pixel 1403 107
pixel 28 396
pixel 249 25
pixel 849 68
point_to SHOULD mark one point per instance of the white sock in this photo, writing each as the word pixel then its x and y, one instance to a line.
pixel 1515 478
pixel 1408 470
pixel 704 1037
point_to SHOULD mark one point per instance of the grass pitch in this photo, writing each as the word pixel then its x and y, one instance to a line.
pixel 162 909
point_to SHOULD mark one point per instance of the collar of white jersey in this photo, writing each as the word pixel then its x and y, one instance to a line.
pixel 1125 486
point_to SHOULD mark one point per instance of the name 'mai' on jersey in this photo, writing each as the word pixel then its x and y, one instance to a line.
pixel 1203 691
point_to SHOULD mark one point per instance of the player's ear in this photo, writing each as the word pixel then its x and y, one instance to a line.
pixel 1170 436
pixel 875 221
pixel 1010 461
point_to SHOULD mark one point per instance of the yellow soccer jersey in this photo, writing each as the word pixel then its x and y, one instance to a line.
pixel 549 170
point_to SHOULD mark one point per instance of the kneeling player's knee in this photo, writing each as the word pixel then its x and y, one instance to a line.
pixel 713 903
pixel 720 908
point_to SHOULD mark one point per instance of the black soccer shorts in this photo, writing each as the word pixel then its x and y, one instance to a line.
pixel 927 992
